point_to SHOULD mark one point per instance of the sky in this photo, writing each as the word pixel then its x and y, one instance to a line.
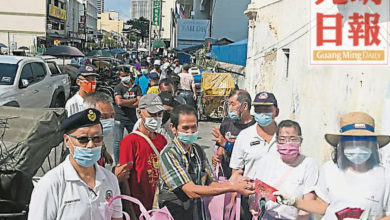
pixel 122 6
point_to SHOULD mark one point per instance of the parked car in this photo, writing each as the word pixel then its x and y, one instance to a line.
pixel 32 82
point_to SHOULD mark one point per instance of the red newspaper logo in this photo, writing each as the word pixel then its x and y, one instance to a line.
pixel 341 2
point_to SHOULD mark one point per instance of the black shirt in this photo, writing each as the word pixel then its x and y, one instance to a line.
pixel 123 113
pixel 230 130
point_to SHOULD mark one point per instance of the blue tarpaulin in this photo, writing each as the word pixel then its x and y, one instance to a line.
pixel 233 53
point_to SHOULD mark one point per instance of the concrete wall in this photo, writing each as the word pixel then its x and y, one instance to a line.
pixel 315 96
pixel 166 19
pixel 229 20
pixel 110 25
pixel 24 21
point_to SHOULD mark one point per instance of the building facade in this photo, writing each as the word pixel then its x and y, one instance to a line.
pixel 91 18
pixel 140 8
pixel 314 95
pixel 21 24
pixel 56 22
pixel 100 6
pixel 74 25
pixel 109 21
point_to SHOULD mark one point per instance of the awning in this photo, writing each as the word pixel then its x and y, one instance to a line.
pixel 233 53
pixel 158 44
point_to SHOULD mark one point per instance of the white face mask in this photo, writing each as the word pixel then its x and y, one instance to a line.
pixel 153 123
pixel 357 154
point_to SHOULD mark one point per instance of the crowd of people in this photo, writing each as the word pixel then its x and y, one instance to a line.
pixel 159 163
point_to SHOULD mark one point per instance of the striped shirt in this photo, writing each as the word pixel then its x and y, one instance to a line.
pixel 176 164
pixel 178 167
pixel 74 104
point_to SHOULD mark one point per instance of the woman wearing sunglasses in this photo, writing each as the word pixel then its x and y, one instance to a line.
pixel 77 188
pixel 288 170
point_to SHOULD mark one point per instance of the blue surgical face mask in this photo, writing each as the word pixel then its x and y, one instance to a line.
pixel 187 138
pixel 107 125
pixel 86 156
pixel 357 154
pixel 263 119
pixel 233 114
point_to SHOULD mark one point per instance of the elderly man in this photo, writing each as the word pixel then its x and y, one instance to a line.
pixel 86 79
pixel 141 150
pixel 78 188
pixel 185 174
pixel 225 136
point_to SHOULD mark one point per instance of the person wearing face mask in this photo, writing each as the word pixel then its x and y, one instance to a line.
pixel 254 142
pixel 153 83
pixel 77 188
pixel 103 103
pixel 141 148
pixel 142 80
pixel 127 96
pixel 354 178
pixel 290 171
pixel 185 173
pixel 168 104
pixel 238 119
pixel 86 80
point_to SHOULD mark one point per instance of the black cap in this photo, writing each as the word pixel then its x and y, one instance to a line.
pixel 81 119
pixel 166 98
pixel 265 98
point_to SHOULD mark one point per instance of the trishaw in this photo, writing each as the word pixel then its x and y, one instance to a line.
pixel 212 97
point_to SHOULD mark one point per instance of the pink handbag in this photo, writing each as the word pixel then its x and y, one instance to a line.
pixel 224 206
pixel 156 214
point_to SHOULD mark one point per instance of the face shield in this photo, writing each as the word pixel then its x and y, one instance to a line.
pixel 357 152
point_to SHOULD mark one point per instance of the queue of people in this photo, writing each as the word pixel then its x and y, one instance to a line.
pixel 159 163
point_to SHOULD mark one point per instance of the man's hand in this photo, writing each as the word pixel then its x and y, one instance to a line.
pixel 194 97
pixel 218 137
pixel 122 172
pixel 284 199
pixel 215 160
pixel 240 184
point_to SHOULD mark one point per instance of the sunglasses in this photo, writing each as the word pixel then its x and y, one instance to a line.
pixel 85 139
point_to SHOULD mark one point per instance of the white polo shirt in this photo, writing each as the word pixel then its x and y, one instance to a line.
pixel 297 181
pixel 61 194
pixel 342 189
pixel 249 148
pixel 74 104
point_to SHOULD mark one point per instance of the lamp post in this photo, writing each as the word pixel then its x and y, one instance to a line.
pixel 85 26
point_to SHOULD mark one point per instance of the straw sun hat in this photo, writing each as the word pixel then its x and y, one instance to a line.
pixel 357 124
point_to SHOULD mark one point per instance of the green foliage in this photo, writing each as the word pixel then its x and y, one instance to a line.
pixel 138 28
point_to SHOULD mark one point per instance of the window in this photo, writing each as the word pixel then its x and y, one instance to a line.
pixel 27 73
pixel 38 71
pixel 53 69
pixel 7 73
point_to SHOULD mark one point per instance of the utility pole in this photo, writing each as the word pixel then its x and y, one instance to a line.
pixel 85 25
pixel 150 26
pixel 9 46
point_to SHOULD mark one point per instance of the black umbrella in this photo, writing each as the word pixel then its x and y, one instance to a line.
pixel 2 45
pixel 63 51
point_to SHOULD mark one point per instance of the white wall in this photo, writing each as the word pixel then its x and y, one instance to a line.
pixel 24 21
pixel 166 19
pixel 315 96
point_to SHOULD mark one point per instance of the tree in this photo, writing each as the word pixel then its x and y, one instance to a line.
pixel 139 28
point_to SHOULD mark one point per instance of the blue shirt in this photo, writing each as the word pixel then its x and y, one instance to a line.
pixel 143 83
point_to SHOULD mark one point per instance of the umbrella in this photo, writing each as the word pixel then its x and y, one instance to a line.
pixel 2 45
pixel 99 53
pixel 63 51
pixel 159 44
pixel 118 50
pixel 24 48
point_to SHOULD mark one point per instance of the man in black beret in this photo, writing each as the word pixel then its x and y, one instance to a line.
pixel 78 188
